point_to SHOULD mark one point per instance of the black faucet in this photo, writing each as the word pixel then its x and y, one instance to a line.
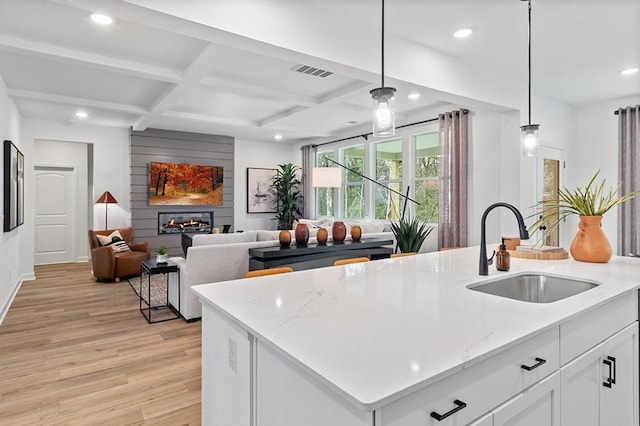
pixel 524 234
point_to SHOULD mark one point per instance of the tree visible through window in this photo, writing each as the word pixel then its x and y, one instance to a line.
pixel 325 196
pixel 388 173
pixel 353 184
pixel 426 176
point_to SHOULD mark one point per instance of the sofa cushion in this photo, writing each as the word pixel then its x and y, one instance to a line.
pixel 369 227
pixel 212 239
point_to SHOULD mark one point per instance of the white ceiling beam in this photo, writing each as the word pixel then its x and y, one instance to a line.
pixel 210 119
pixel 192 74
pixel 69 100
pixel 101 62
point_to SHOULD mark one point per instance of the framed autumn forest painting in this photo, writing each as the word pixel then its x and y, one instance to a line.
pixel 185 184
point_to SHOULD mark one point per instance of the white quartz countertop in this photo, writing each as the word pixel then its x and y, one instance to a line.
pixel 374 332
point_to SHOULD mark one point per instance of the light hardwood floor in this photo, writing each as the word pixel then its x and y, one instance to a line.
pixel 74 351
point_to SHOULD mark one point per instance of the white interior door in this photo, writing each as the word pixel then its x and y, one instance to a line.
pixel 55 214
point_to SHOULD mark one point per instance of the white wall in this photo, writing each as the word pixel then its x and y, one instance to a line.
pixel 596 147
pixel 13 267
pixel 110 169
pixel 260 155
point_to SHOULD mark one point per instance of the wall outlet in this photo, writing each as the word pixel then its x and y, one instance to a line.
pixel 233 355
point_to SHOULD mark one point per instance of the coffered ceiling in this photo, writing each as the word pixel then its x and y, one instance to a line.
pixel 173 65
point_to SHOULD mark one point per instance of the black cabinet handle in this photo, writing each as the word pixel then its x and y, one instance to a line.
pixel 539 362
pixel 611 363
pixel 459 406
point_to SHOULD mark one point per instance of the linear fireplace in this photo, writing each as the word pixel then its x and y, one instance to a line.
pixel 185 222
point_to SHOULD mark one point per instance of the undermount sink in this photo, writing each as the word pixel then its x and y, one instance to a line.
pixel 534 288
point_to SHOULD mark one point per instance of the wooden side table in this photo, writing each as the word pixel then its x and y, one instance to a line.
pixel 151 267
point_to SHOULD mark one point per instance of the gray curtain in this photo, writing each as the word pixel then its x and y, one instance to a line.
pixel 308 163
pixel 629 178
pixel 452 179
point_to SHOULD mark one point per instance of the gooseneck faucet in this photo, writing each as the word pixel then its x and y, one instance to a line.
pixel 524 234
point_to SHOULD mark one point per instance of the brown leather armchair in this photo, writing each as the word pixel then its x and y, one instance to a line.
pixel 110 265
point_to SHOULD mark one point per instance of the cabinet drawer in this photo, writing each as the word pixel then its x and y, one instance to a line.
pixel 481 387
pixel 593 327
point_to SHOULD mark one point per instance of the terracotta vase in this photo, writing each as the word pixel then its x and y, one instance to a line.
pixel 590 243
pixel 322 236
pixel 338 231
pixel 302 234
pixel 356 232
pixel 285 238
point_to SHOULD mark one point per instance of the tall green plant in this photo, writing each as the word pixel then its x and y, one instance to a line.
pixel 410 234
pixel 289 198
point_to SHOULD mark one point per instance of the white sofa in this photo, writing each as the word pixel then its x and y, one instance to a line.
pixel 222 257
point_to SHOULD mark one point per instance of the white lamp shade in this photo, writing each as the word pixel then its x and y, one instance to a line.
pixel 326 177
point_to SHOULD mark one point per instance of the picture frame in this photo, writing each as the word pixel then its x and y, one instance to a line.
pixel 173 184
pixel 13 187
pixel 261 197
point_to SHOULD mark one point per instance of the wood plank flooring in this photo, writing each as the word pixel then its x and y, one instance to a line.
pixel 74 351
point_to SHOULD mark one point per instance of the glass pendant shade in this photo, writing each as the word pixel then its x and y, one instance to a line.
pixel 384 113
pixel 530 138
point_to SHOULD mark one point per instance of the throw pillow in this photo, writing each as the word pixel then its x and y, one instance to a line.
pixel 113 240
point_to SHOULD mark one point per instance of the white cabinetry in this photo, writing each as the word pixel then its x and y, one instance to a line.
pixel 600 387
pixel 539 405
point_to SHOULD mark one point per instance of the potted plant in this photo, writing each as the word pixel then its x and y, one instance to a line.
pixel 410 234
pixel 162 254
pixel 288 196
pixel 590 203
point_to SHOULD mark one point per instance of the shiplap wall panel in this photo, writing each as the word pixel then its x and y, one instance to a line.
pixel 163 146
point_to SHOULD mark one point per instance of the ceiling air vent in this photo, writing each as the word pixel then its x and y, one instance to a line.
pixel 306 69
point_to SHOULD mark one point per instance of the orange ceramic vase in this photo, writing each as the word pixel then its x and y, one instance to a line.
pixel 322 236
pixel 356 233
pixel 285 238
pixel 590 243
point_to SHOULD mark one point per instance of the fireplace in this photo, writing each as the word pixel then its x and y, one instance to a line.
pixel 185 222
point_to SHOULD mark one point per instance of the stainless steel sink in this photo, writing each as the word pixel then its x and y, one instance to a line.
pixel 534 288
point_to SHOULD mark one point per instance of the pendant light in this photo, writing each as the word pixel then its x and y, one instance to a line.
pixel 529 132
pixel 384 114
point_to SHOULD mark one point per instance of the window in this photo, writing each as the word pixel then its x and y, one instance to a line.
pixel 325 196
pixel 408 160
pixel 388 173
pixel 426 176
pixel 353 184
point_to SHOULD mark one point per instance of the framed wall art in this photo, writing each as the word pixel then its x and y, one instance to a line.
pixel 13 187
pixel 261 198
pixel 172 184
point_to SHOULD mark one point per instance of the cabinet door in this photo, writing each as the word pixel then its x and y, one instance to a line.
pixel 538 405
pixel 486 420
pixel 601 386
pixel 619 364
pixel 580 388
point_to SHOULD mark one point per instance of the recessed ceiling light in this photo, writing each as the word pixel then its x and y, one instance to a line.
pixel 414 96
pixel 630 71
pixel 278 137
pixel 101 19
pixel 462 33
pixel 81 114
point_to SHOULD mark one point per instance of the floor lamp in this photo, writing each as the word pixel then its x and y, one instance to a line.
pixel 106 199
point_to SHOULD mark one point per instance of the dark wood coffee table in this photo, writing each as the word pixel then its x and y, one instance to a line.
pixel 317 255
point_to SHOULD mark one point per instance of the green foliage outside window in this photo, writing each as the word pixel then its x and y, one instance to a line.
pixel 353 183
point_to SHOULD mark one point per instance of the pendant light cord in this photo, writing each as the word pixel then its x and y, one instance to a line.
pixel 529 62
pixel 382 42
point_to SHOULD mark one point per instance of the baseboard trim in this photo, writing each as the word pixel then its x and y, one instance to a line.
pixel 7 305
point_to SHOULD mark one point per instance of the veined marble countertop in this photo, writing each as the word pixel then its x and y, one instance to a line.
pixel 376 331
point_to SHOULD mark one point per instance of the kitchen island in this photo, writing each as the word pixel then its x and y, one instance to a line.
pixel 404 341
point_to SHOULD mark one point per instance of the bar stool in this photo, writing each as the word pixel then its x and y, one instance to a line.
pixel 351 260
pixel 272 271
pixel 411 253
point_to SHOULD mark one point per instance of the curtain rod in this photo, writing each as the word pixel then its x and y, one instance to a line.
pixel 366 135
pixel 624 111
